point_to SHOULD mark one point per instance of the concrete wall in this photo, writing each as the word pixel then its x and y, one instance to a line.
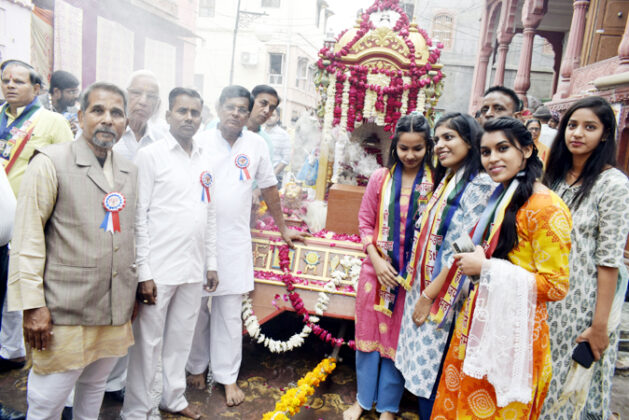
pixel 15 30
pixel 290 29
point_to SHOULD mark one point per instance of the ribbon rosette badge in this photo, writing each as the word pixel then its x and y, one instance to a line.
pixel 206 182
pixel 242 162
pixel 113 203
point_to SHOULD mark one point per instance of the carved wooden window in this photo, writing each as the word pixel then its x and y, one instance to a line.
pixel 443 29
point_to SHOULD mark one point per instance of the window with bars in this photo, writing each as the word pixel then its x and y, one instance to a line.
pixel 270 3
pixel 207 8
pixel 443 29
pixel 302 73
pixel 276 68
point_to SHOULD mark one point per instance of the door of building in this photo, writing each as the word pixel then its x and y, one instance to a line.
pixel 605 26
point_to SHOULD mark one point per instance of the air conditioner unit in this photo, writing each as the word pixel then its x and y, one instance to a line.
pixel 249 58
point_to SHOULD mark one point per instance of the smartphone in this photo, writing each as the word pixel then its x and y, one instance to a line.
pixel 583 355
pixel 465 244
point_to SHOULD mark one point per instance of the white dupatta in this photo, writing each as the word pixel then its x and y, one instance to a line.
pixel 500 342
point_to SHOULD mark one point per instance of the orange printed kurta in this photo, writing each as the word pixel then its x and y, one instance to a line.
pixel 544 226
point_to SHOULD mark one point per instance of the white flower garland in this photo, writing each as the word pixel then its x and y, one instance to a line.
pixel 351 270
pixel 329 104
pixel 344 105
pixel 275 346
pixel 404 107
pixel 421 101
pixel 369 106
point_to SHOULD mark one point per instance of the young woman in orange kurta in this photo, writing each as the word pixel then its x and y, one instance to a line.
pixel 532 233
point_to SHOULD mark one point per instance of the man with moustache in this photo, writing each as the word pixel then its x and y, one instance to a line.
pixel 24 126
pixel 62 95
pixel 176 244
pixel 143 94
pixel 499 101
pixel 265 100
pixel 72 265
pixel 239 157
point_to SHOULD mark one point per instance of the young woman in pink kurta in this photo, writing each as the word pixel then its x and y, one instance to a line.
pixel 389 209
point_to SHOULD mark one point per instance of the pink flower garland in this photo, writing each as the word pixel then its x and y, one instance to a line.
pixel 298 303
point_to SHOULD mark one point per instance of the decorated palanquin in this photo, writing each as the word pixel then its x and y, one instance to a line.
pixel 371 75
pixel 379 70
pixel 313 265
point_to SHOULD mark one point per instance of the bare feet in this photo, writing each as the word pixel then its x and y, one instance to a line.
pixel 387 416
pixel 233 395
pixel 188 412
pixel 353 413
pixel 197 381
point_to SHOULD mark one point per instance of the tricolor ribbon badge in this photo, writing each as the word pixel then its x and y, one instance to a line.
pixel 242 162
pixel 206 182
pixel 113 203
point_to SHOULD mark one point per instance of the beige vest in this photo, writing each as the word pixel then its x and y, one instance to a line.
pixel 90 276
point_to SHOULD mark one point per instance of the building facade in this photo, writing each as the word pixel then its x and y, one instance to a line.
pixel 276 43
pixel 590 40
pixel 457 24
pixel 109 40
pixel 15 29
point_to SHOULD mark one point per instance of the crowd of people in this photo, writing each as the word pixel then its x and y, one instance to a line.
pixel 496 274
pixel 113 240
pixel 494 246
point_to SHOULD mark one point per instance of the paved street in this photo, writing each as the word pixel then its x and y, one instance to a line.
pixel 264 376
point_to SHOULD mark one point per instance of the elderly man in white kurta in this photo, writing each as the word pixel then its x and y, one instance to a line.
pixel 143 94
pixel 239 158
pixel 176 244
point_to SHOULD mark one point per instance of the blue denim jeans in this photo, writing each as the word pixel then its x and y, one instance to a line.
pixel 379 382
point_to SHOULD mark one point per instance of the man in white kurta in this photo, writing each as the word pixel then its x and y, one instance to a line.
pixel 176 244
pixel 238 158
pixel 143 94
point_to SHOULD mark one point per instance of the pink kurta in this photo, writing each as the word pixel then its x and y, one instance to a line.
pixel 376 331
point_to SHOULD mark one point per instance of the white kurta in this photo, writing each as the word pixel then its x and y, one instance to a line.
pixel 128 145
pixel 233 195
pixel 175 228
pixel 175 244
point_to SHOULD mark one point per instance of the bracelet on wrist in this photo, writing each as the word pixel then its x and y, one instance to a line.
pixel 425 296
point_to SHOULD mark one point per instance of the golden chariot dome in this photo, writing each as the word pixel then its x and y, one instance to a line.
pixel 382 68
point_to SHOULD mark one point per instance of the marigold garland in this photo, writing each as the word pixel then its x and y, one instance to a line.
pixel 290 403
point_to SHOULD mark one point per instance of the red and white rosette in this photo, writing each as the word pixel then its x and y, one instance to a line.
pixel 113 203
pixel 206 182
pixel 242 162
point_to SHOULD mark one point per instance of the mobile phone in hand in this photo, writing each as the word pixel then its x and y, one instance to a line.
pixel 583 355
pixel 464 244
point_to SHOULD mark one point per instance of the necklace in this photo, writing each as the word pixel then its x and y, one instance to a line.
pixel 572 177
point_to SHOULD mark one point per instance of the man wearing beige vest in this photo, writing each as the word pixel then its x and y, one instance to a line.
pixel 72 266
